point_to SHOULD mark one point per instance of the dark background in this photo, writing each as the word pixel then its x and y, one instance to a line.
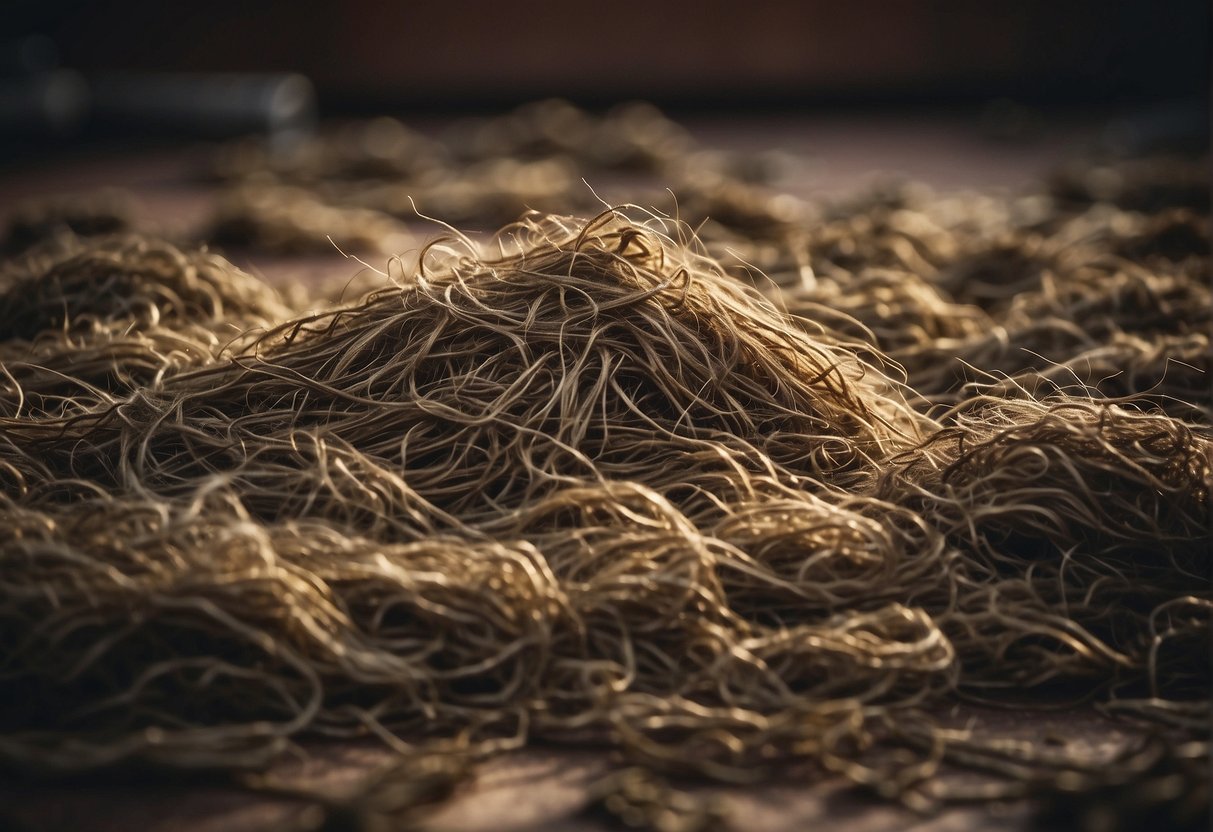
pixel 365 55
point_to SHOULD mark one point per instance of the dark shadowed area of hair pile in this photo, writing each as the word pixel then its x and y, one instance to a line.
pixel 784 488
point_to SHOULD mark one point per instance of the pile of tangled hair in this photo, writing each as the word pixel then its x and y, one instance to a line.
pixel 594 482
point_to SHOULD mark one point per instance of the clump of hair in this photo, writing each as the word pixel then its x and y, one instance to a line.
pixel 581 483
pixel 92 214
pixel 90 321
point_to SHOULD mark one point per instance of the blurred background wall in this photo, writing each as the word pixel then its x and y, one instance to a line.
pixel 454 54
